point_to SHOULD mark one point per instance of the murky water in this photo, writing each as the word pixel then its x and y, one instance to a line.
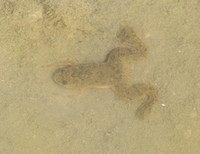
pixel 39 116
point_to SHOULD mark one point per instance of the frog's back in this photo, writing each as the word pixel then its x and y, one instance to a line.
pixel 95 75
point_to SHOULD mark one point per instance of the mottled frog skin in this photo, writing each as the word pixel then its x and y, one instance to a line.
pixel 112 73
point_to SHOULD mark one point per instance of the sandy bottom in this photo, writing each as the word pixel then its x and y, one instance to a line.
pixel 38 116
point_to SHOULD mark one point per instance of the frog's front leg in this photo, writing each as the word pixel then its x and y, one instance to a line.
pixel 61 64
pixel 137 92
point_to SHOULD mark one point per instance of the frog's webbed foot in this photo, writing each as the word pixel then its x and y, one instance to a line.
pixel 144 110
pixel 129 39
pixel 131 48
pixel 137 92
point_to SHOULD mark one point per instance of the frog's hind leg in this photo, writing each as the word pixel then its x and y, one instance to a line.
pixel 124 55
pixel 128 37
pixel 151 94
pixel 131 48
pixel 130 40
pixel 137 92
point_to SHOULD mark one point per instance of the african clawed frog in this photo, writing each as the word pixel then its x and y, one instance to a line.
pixel 112 73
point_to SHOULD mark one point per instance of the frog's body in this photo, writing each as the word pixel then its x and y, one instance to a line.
pixel 112 73
pixel 86 76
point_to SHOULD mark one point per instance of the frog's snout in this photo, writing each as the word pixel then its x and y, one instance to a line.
pixel 57 76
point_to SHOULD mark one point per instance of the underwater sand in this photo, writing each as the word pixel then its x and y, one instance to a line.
pixel 39 116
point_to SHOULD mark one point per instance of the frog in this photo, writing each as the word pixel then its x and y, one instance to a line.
pixel 112 73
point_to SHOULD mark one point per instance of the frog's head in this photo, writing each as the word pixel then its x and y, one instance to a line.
pixel 63 76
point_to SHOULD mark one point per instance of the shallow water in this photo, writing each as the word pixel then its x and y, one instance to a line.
pixel 39 116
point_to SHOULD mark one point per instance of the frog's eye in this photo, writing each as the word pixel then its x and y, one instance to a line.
pixel 64 82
